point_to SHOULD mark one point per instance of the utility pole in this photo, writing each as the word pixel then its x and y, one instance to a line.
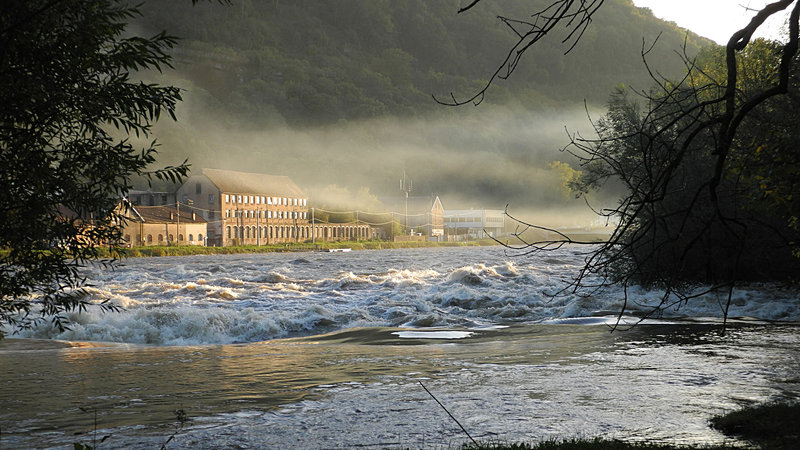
pixel 313 228
pixel 178 226
pixel 405 187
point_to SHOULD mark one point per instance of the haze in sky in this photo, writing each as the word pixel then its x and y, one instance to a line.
pixel 714 19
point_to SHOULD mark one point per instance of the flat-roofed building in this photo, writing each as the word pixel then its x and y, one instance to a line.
pixel 474 223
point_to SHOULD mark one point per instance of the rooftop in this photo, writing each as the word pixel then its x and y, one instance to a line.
pixel 253 183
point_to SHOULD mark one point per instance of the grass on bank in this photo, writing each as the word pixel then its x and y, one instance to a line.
pixel 770 426
pixel 187 250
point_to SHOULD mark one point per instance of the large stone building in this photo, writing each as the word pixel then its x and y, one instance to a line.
pixel 245 208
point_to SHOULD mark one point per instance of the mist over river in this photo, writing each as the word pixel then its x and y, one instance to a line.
pixel 327 350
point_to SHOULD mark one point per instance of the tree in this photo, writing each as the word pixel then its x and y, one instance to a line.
pixel 708 163
pixel 68 110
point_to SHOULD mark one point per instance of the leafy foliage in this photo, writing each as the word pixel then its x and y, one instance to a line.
pixel 67 107
pixel 315 62
pixel 702 161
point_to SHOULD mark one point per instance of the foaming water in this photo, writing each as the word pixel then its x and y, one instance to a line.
pixel 248 298
pixel 327 350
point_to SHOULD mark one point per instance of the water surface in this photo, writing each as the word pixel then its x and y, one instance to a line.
pixel 328 351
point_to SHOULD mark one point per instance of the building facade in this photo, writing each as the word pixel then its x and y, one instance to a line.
pixel 474 223
pixel 245 208
pixel 151 198
pixel 163 225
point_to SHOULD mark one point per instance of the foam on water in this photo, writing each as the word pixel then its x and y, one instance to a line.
pixel 248 298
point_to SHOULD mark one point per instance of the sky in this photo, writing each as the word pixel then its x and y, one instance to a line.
pixel 714 19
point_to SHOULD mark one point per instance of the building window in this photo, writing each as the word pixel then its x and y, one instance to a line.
pixel 200 237
pixel 252 200
pixel 258 200
pixel 211 215
pixel 263 200
pixel 198 188
pixel 191 237
pixel 150 238
pixel 227 213
pixel 245 199
pixel 160 238
pixel 229 232
pixel 238 199
pixel 210 199
pixel 180 237
pixel 227 198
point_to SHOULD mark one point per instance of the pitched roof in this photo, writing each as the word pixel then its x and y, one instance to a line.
pixel 253 183
pixel 166 214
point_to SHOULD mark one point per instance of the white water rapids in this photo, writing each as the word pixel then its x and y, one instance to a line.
pixel 327 350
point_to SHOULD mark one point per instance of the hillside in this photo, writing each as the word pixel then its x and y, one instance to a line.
pixel 314 62
pixel 338 95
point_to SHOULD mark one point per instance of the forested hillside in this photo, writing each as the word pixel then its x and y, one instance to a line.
pixel 338 94
pixel 317 61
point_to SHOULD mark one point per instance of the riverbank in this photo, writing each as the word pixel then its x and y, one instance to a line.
pixel 767 426
pixel 188 250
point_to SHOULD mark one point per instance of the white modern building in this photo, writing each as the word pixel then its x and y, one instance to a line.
pixel 474 223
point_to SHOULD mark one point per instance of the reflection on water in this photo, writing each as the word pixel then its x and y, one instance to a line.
pixel 360 386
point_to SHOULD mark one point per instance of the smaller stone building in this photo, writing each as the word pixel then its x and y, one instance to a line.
pixel 163 225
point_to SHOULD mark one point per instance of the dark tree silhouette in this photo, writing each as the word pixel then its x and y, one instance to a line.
pixel 67 107
pixel 696 159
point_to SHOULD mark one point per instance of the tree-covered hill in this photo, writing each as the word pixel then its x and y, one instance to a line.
pixel 313 62
pixel 338 94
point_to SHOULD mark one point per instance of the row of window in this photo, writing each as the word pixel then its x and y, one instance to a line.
pixel 160 237
pixel 274 232
pixel 263 200
pixel 473 219
pixel 293 232
pixel 253 214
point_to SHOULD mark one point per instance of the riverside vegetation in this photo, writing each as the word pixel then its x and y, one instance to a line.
pixel 187 250
pixel 764 426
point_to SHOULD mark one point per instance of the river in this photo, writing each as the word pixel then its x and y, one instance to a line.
pixel 335 350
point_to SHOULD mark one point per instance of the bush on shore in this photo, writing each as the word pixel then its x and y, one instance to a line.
pixel 766 426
